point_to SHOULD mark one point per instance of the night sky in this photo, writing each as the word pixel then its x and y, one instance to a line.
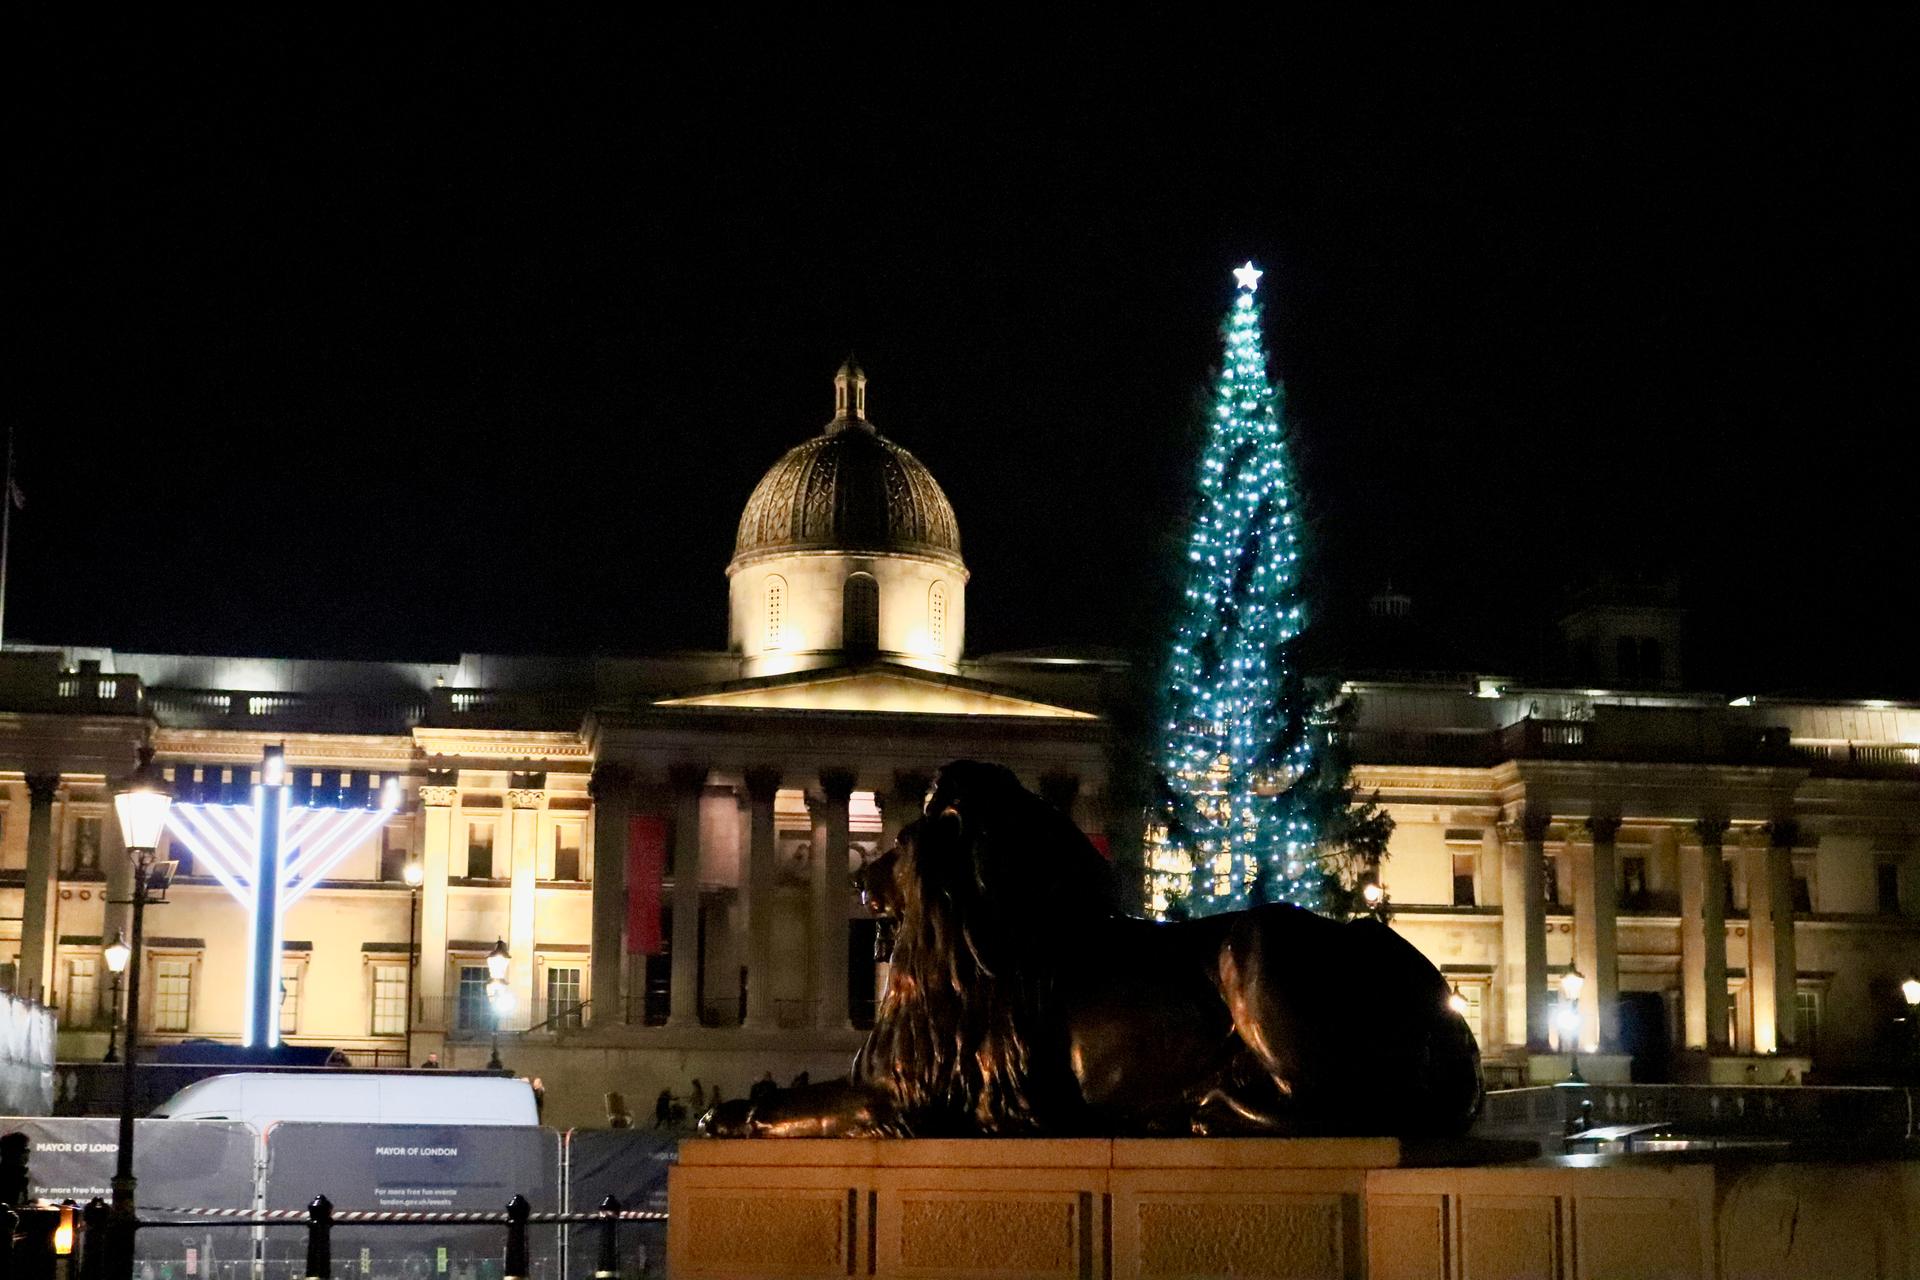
pixel 408 342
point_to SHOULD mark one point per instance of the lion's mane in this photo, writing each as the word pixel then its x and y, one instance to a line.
pixel 996 889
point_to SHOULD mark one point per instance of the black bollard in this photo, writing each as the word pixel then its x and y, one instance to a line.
pixel 609 1266
pixel 93 1239
pixel 320 1239
pixel 516 1260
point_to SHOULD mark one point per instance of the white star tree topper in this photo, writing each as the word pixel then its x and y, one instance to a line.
pixel 1248 276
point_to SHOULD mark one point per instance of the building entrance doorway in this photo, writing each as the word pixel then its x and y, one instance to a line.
pixel 1645 1035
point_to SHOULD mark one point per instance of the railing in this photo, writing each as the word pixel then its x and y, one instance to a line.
pixel 1859 759
pixel 268 709
pixel 49 1235
pixel 1780 1111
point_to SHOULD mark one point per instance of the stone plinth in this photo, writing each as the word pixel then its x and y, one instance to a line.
pixel 1346 1209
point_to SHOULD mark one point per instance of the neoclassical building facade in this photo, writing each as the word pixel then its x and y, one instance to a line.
pixel 662 845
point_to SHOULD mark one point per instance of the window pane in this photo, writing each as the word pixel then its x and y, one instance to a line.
pixel 83 992
pixel 172 994
pixel 563 997
pixel 289 999
pixel 480 850
pixel 1463 880
pixel 566 852
pixel 389 999
pixel 471 1012
pixel 86 844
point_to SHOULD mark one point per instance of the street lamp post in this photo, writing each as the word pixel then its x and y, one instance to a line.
pixel 415 875
pixel 1572 982
pixel 1910 992
pixel 117 954
pixel 141 806
pixel 499 995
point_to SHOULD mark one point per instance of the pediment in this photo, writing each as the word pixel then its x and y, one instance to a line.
pixel 887 689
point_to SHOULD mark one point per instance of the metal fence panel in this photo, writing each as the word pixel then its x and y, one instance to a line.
pixel 413 1168
pixel 631 1166
pixel 197 1163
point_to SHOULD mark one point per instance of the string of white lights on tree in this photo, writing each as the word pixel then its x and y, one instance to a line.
pixel 1236 721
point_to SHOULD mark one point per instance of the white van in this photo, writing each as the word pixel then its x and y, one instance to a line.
pixel 263 1098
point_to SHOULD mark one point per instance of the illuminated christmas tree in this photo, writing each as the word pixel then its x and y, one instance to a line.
pixel 1254 805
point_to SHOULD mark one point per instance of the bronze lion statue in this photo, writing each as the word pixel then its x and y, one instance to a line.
pixel 1022 1002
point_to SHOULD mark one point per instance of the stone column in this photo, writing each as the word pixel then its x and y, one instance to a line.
pixel 1596 904
pixel 688 781
pixel 1492 893
pixel 523 846
pixel 831 836
pixel 1772 969
pixel 612 806
pixel 1703 937
pixel 762 783
pixel 435 850
pixel 1523 926
pixel 34 975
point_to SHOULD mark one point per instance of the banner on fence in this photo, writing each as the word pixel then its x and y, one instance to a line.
pixel 416 1169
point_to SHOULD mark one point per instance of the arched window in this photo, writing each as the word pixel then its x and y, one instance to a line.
pixel 860 614
pixel 776 612
pixel 937 615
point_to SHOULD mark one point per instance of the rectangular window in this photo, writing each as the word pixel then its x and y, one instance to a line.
pixel 86 844
pixel 1475 994
pixel 566 851
pixel 389 999
pixel 1550 880
pixel 172 993
pixel 1806 1020
pixel 393 853
pixel 1886 888
pixel 480 850
pixel 471 1011
pixel 1633 882
pixel 563 997
pixel 1727 870
pixel 83 992
pixel 1463 879
pixel 1802 890
pixel 289 998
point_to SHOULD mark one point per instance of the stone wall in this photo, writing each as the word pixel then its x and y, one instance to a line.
pixel 1348 1209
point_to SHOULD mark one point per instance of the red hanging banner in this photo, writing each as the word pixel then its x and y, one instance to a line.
pixel 646 864
pixel 1101 843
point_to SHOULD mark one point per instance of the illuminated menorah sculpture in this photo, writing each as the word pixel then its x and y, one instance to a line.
pixel 268 852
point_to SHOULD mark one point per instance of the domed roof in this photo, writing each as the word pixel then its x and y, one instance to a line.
pixel 848 489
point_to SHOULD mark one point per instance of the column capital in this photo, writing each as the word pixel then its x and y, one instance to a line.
pixel 438 797
pixel 836 782
pixel 525 798
pixel 610 780
pixel 1533 825
pixel 686 777
pixel 1605 827
pixel 762 782
pixel 1711 830
pixel 1783 833
pixel 41 787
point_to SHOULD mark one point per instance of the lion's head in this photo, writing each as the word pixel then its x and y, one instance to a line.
pixel 989 891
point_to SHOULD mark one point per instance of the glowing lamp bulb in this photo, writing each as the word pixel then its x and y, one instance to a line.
pixel 1373 893
pixel 117 953
pixel 1910 991
pixel 63 1233
pixel 414 874
pixel 1572 983
pixel 1569 1019
pixel 1458 1003
pixel 497 960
